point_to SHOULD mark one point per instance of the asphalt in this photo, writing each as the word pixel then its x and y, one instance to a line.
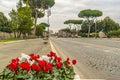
pixel 58 52
pixel 97 59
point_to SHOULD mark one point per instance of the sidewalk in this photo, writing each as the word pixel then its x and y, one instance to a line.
pixel 117 39
pixel 7 52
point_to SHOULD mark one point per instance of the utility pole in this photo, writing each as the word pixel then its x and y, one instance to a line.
pixel 48 15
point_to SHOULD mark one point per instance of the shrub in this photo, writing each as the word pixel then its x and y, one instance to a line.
pixel 94 35
pixel 114 33
pixel 82 34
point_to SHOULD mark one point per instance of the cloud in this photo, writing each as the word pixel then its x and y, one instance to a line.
pixel 69 9
pixel 7 5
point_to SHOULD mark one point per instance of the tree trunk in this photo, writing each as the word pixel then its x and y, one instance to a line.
pixel 78 28
pixel 15 35
pixel 19 35
pixel 89 28
pixel 70 29
pixel 36 15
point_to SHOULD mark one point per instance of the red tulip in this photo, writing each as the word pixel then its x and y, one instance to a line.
pixel 68 59
pixel 73 62
pixel 13 64
pixel 35 67
pixel 34 57
pixel 49 66
pixel 52 54
pixel 42 63
pixel 59 65
pixel 25 66
pixel 59 59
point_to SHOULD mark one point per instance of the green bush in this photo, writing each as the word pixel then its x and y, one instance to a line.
pixel 94 35
pixel 114 33
pixel 82 34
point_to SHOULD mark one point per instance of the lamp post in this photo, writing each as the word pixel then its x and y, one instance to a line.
pixel 48 14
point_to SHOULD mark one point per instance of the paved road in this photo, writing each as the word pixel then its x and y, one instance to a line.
pixel 13 50
pixel 97 58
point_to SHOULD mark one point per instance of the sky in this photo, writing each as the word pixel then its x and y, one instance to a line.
pixel 69 9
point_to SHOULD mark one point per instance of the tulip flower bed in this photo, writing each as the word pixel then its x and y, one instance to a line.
pixel 35 67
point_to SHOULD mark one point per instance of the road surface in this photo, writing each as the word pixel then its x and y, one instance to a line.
pixel 96 58
pixel 13 50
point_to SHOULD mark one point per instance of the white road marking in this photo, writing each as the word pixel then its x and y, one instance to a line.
pixel 52 47
pixel 77 77
pixel 107 51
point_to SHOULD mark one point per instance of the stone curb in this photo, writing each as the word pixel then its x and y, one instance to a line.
pixel 1 43
pixel 14 41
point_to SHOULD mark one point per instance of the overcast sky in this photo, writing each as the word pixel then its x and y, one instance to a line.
pixel 69 9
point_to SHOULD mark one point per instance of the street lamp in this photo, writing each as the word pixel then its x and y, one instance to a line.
pixel 48 14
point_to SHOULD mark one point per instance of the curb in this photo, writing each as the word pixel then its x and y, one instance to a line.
pixel 77 77
pixel 14 41
pixel 1 43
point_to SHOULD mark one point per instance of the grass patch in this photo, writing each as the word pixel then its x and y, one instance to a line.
pixel 9 39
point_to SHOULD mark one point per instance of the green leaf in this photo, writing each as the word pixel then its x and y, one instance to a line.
pixel 1 74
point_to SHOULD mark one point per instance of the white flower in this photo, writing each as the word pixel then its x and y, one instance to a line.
pixel 24 57
pixel 44 57
pixel 31 62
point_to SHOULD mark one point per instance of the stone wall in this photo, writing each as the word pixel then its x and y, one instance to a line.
pixel 4 35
